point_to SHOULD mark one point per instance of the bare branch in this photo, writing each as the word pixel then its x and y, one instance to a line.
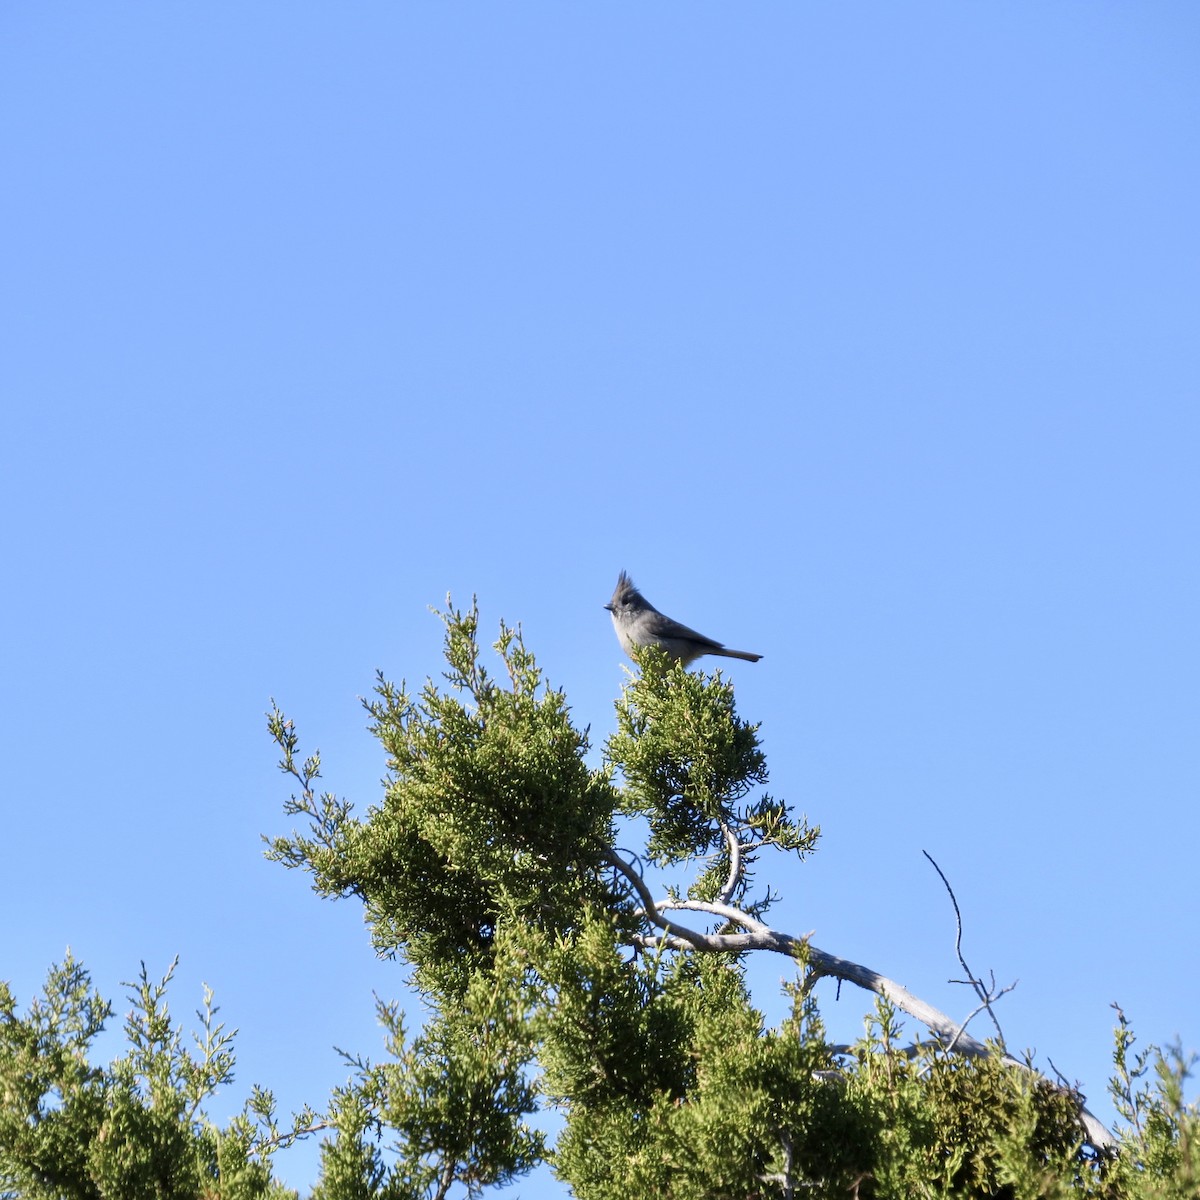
pixel 717 909
pixel 987 1003
pixel 784 1177
pixel 281 1141
pixel 680 933
pixel 986 995
pixel 445 1179
pixel 819 964
pixel 1062 1079
pixel 735 864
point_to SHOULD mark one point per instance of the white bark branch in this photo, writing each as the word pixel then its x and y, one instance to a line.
pixel 717 909
pixel 820 963
pixel 735 864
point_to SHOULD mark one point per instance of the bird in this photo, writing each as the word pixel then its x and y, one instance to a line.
pixel 639 623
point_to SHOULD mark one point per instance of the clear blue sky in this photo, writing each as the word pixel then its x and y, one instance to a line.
pixel 863 335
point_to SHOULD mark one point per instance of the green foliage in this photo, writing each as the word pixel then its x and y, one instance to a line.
pixel 488 867
pixel 951 1125
pixel 550 979
pixel 1160 1157
pixel 489 813
pixel 54 1102
pixel 135 1129
pixel 755 1109
pixel 689 761
pixel 612 1032
pixel 453 1099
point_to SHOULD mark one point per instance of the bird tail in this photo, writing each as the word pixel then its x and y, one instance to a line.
pixel 737 654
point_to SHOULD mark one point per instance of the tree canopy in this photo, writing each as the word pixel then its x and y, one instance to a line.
pixel 558 971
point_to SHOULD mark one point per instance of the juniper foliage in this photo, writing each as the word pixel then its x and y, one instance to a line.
pixel 496 869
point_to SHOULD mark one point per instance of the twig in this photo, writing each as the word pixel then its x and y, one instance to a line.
pixel 987 1003
pixel 289 1137
pixel 984 994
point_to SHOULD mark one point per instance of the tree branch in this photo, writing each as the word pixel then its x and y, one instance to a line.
pixel 986 995
pixel 735 864
pixel 717 909
pixel 686 938
pixel 445 1179
pixel 950 1034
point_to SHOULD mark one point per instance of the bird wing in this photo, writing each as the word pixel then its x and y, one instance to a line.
pixel 667 628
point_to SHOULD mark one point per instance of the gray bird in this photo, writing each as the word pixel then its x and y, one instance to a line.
pixel 639 623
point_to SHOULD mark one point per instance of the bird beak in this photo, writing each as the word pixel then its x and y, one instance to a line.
pixel 608 606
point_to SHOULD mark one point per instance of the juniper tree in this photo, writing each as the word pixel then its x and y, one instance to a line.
pixel 136 1128
pixel 496 866
pixel 557 970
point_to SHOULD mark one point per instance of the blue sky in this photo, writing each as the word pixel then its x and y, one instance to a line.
pixel 864 336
